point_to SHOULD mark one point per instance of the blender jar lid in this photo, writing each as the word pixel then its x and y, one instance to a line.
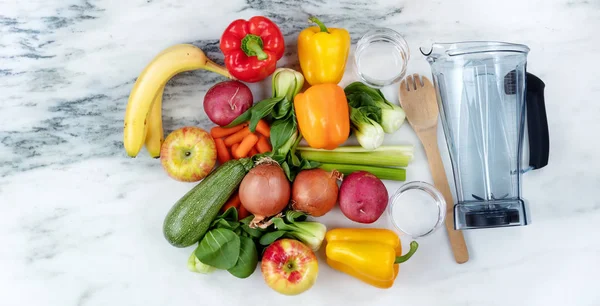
pixel 417 209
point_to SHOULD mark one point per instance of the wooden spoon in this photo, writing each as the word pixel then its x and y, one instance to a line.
pixel 417 98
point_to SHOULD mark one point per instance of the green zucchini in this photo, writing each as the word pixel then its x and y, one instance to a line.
pixel 189 219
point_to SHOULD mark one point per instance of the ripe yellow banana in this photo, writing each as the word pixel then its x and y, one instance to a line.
pixel 171 61
pixel 154 127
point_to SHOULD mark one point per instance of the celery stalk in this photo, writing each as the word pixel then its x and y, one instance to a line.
pixel 368 159
pixel 396 174
pixel 399 149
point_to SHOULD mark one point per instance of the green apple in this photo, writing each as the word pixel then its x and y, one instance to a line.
pixel 289 266
pixel 188 154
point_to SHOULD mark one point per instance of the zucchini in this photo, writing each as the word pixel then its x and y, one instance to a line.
pixel 189 219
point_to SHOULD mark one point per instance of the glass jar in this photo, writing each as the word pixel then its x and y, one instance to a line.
pixel 417 209
pixel 381 57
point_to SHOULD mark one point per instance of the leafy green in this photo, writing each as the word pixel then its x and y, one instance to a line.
pixel 293 225
pixel 373 105
pixel 222 223
pixel 219 248
pixel 256 112
pixel 197 266
pixel 283 134
pixel 231 214
pixel 269 238
pixel 247 260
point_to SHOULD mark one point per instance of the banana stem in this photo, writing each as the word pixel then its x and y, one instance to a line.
pixel 216 68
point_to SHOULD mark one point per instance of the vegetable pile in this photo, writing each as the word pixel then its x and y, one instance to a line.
pixel 256 204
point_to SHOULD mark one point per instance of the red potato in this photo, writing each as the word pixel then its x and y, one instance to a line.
pixel 227 100
pixel 363 197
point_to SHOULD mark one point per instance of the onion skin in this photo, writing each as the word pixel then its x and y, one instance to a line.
pixel 265 190
pixel 315 191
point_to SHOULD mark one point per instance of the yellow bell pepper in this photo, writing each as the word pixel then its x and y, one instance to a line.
pixel 322 114
pixel 323 53
pixel 371 255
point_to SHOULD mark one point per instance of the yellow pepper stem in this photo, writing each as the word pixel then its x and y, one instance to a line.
pixel 413 248
pixel 319 23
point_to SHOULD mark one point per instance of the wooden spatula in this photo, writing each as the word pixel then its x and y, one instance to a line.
pixel 417 98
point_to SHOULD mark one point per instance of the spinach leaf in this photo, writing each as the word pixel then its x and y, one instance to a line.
pixel 219 248
pixel 282 109
pixel 231 214
pixel 222 223
pixel 288 173
pixel 247 260
pixel 247 220
pixel 253 232
pixel 269 238
pixel 245 116
pixel 282 132
pixel 306 164
pixel 261 110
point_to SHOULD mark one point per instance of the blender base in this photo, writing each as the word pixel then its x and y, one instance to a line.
pixel 490 214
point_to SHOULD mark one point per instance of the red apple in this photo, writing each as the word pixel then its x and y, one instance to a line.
pixel 289 267
pixel 188 154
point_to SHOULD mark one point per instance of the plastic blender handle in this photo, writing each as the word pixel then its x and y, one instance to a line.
pixel 537 123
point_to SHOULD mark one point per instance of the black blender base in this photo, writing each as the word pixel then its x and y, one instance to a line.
pixel 489 214
pixel 492 218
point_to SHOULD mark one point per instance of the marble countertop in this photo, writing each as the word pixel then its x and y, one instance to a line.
pixel 80 223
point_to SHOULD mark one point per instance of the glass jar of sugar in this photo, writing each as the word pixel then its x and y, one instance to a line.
pixel 381 57
pixel 417 209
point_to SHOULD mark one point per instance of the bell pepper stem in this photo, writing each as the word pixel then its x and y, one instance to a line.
pixel 413 248
pixel 319 23
pixel 252 45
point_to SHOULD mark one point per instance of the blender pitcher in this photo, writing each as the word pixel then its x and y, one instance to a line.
pixel 485 97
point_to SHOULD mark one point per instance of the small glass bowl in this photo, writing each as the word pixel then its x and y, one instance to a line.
pixel 420 204
pixel 381 57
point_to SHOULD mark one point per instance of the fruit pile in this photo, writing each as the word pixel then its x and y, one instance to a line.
pixel 254 206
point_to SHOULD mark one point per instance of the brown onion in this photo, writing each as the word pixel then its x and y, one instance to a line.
pixel 265 190
pixel 315 191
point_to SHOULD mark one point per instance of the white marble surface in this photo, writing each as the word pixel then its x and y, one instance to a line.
pixel 80 223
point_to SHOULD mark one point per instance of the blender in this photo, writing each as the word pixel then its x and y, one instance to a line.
pixel 488 103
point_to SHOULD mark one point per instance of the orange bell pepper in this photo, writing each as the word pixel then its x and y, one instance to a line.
pixel 322 114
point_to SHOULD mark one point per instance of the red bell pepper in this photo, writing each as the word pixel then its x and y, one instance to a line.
pixel 252 48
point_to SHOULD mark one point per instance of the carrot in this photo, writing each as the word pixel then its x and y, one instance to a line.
pixel 222 153
pixel 220 132
pixel 253 151
pixel 233 148
pixel 245 146
pixel 237 136
pixel 242 212
pixel 234 201
pixel 263 128
pixel 263 145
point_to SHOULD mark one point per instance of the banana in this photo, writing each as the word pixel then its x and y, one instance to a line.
pixel 171 61
pixel 154 127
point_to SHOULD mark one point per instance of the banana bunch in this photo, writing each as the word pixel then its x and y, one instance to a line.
pixel 143 116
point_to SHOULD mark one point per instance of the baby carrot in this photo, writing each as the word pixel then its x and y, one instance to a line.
pixel 263 145
pixel 220 132
pixel 253 151
pixel 222 153
pixel 242 212
pixel 263 128
pixel 233 148
pixel 234 201
pixel 237 136
pixel 245 146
